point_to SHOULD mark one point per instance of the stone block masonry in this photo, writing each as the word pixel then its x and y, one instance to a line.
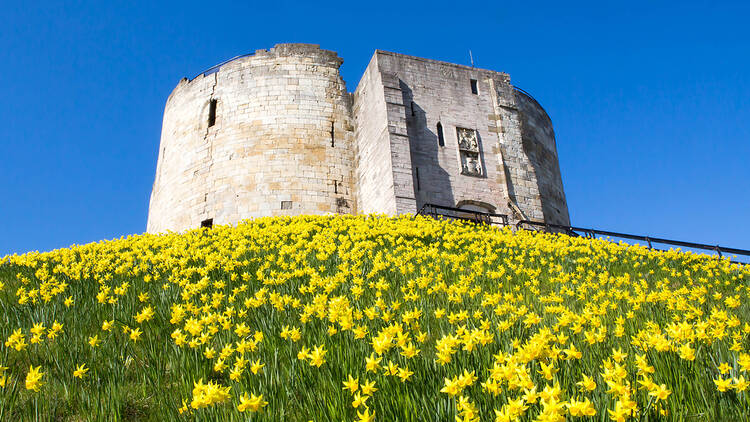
pixel 277 133
pixel 280 144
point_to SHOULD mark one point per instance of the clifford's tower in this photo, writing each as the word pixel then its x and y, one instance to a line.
pixel 277 133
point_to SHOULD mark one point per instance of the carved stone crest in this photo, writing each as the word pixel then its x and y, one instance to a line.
pixel 468 147
pixel 467 139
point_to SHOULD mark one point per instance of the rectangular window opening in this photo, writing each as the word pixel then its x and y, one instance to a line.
pixel 441 140
pixel 412 109
pixel 474 87
pixel 286 205
pixel 333 134
pixel 212 113
pixel 208 223
pixel 416 170
pixel 335 186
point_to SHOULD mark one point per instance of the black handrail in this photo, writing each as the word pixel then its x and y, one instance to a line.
pixel 215 68
pixel 648 239
pixel 528 95
pixel 434 211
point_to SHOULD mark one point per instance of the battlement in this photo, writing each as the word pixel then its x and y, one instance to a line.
pixel 443 63
pixel 312 51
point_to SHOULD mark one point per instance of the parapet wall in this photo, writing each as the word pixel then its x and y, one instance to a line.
pixel 281 142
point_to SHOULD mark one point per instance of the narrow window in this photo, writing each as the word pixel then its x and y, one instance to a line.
pixel 286 205
pixel 212 113
pixel 412 109
pixel 335 186
pixel 207 223
pixel 333 133
pixel 417 173
pixel 441 141
pixel 474 88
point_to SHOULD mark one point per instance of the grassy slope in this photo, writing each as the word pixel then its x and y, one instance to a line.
pixel 311 267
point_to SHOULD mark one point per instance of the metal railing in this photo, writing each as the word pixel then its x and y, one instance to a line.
pixel 480 217
pixel 451 213
pixel 592 233
pixel 528 95
pixel 215 68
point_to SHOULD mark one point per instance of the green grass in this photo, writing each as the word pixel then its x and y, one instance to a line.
pixel 427 265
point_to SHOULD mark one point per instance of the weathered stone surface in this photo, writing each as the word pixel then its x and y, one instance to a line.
pixel 288 140
pixel 281 143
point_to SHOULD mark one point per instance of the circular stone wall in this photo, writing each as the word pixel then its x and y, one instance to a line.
pixel 277 142
pixel 539 145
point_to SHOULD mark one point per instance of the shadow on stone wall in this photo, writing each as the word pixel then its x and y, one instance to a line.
pixel 536 128
pixel 480 145
pixel 432 183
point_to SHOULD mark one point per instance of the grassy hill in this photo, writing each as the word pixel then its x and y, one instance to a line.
pixel 343 318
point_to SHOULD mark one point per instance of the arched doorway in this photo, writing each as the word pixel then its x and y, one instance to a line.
pixel 480 210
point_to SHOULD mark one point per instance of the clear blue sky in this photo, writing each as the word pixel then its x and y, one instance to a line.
pixel 650 100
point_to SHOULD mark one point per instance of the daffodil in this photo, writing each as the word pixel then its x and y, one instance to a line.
pixel 135 334
pixel 368 388
pixel 723 384
pixel 34 378
pixel 365 416
pixel 352 384
pixel 587 383
pixel 372 363
pixel 94 341
pixel 660 392
pixel 317 356
pixel 740 384
pixel 359 400
pixel 581 408
pixel 256 367
pixel 80 371
pixel 252 403
pixel 404 374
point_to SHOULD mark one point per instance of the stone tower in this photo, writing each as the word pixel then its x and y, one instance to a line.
pixel 265 134
pixel 276 133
